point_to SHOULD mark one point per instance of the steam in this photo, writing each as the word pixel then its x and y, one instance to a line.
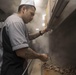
pixel 41 44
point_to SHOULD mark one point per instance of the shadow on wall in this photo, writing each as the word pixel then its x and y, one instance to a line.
pixel 63 45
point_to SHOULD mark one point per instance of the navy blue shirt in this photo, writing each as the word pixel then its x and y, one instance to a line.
pixel 14 37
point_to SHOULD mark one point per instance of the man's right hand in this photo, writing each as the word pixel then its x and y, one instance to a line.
pixel 43 57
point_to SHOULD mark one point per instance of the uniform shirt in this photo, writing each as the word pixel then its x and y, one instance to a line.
pixel 1 49
pixel 14 37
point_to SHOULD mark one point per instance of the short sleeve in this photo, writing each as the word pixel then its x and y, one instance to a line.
pixel 17 36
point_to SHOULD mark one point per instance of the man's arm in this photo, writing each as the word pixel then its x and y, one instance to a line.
pixel 33 36
pixel 28 53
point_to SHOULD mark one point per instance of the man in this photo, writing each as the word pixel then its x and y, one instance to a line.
pixel 15 37
pixel 1 50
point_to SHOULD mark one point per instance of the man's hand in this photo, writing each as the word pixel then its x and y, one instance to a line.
pixel 43 57
pixel 44 31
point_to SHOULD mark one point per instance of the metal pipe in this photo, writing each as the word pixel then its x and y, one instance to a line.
pixel 27 67
pixel 63 5
pixel 57 11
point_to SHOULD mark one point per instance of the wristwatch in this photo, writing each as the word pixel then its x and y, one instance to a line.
pixel 40 33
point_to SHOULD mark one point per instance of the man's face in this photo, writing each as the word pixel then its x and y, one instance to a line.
pixel 28 14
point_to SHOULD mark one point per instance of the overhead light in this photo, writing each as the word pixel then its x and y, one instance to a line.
pixel 37 29
pixel 43 17
pixel 43 24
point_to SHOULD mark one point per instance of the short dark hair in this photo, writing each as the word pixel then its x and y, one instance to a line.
pixel 26 6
